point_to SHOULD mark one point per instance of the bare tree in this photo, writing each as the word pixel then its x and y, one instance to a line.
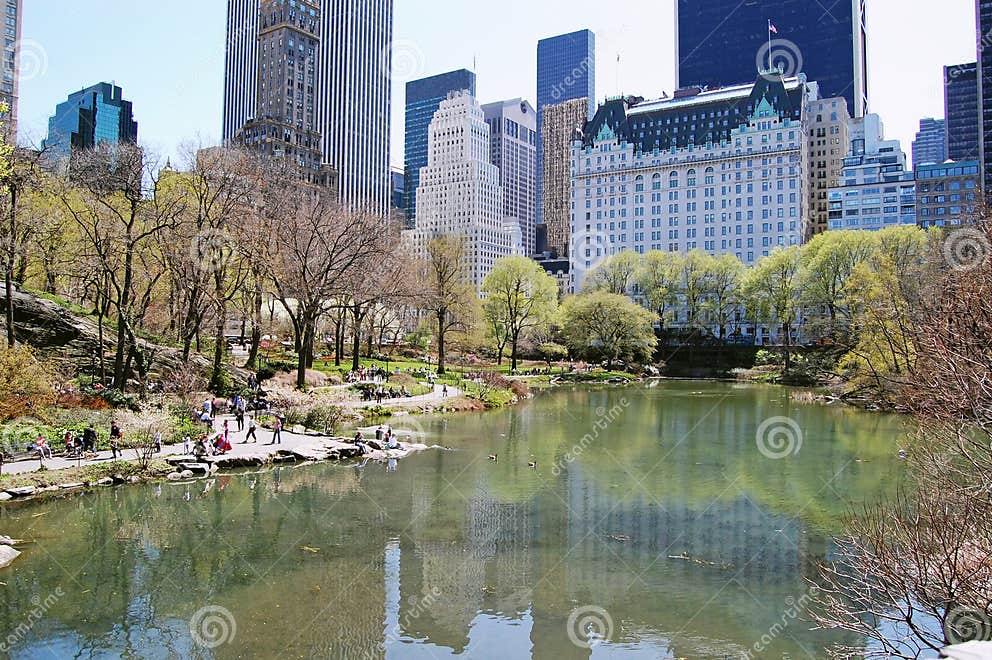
pixel 445 291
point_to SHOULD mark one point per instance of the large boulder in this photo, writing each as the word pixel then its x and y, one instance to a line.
pixel 7 555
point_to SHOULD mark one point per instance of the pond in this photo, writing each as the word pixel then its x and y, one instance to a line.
pixel 675 519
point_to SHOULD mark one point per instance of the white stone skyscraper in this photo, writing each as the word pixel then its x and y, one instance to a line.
pixel 352 90
pixel 513 132
pixel 460 192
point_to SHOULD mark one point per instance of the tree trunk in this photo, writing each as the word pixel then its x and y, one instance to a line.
pixel 9 267
pixel 216 369
pixel 513 351
pixel 305 334
pixel 788 345
pixel 338 340
pixel 441 318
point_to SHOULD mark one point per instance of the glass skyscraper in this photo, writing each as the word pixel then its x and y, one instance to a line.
pixel 423 98
pixel 725 42
pixel 961 110
pixel 984 12
pixel 566 70
pixel 11 64
pixel 88 117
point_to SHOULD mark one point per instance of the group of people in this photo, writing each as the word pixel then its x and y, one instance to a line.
pixel 78 445
pixel 381 393
pixel 373 374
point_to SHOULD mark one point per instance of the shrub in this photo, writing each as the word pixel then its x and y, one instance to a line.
pixel 402 379
pixel 26 384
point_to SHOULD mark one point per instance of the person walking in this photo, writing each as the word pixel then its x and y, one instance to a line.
pixel 158 442
pixel 89 438
pixel 444 390
pixel 251 431
pixel 239 416
pixel 115 439
pixel 277 431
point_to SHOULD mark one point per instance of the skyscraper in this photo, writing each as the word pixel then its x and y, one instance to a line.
pixel 561 122
pixel 983 9
pixel 11 64
pixel 351 88
pixel 284 123
pixel 961 111
pixel 513 136
pixel 829 141
pixel 566 70
pixel 423 97
pixel 88 117
pixel 726 42
pixel 930 145
pixel 460 194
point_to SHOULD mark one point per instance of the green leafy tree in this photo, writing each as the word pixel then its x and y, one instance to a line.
pixel 722 282
pixel 771 289
pixel 521 296
pixel 617 275
pixel 602 325
pixel 658 281
pixel 827 264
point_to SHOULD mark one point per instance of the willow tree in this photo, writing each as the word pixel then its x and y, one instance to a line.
pixel 771 289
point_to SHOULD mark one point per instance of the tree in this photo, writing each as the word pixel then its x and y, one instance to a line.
pixel 771 289
pixel 617 275
pixel 658 279
pixel 520 295
pixel 722 278
pixel 446 293
pixel 827 263
pixel 693 272
pixel 608 326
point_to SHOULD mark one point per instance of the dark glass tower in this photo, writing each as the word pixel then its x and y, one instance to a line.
pixel 88 117
pixel 566 70
pixel 423 97
pixel 725 42
pixel 984 11
pixel 961 110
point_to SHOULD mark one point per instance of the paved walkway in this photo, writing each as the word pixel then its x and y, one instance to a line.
pixel 289 440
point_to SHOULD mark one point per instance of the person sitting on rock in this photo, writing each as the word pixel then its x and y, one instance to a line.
pixel 360 443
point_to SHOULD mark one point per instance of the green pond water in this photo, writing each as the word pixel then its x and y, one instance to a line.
pixel 652 526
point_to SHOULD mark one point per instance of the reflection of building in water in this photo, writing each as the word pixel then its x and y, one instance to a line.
pixel 759 545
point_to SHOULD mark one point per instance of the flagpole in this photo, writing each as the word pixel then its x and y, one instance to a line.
pixel 769 45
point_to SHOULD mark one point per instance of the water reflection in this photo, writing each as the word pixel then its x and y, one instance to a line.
pixel 673 523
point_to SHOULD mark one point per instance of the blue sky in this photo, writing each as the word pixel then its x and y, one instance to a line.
pixel 169 56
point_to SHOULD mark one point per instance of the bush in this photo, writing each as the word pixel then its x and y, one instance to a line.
pixel 402 379
pixel 765 358
pixel 26 384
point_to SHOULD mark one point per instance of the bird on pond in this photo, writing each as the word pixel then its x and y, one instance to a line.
pixel 492 457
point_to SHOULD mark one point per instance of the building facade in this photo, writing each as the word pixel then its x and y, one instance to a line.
pixel 930 145
pixel 876 189
pixel 460 193
pixel 513 134
pixel 423 97
pixel 89 117
pixel 284 124
pixel 725 42
pixel 829 141
pixel 983 10
pixel 566 70
pixel 351 88
pixel 946 193
pixel 561 124
pixel 722 171
pixel 9 87
pixel 961 111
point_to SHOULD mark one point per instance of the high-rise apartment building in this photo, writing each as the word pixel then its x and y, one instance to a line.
pixel 423 97
pixel 513 135
pixel 562 122
pixel 961 111
pixel 460 194
pixel 566 70
pixel 284 124
pixel 88 117
pixel 722 171
pixel 351 88
pixel 983 9
pixel 876 188
pixel 726 42
pixel 829 142
pixel 946 193
pixel 11 64
pixel 930 145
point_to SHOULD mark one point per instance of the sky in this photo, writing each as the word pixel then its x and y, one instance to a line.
pixel 169 56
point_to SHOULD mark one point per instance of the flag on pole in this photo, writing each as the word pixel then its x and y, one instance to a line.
pixel 772 28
